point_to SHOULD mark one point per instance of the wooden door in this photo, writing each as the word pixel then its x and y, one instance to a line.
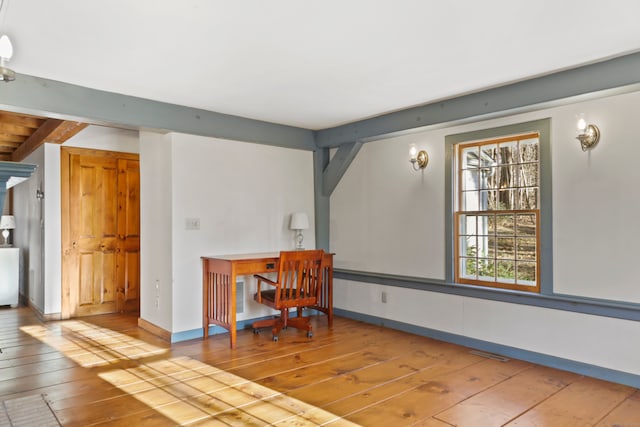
pixel 101 240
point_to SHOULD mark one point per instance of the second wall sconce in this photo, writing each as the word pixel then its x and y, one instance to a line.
pixel 588 134
pixel 418 159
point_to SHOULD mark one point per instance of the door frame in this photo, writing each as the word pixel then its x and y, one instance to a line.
pixel 66 241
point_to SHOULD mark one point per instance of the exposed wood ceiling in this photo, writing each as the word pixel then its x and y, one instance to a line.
pixel 21 134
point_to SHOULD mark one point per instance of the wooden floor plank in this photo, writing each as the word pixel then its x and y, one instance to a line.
pixel 585 402
pixel 507 400
pixel 625 414
pixel 432 394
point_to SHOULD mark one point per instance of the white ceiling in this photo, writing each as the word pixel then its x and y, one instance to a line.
pixel 312 64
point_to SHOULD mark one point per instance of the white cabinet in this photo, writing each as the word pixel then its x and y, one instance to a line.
pixel 9 265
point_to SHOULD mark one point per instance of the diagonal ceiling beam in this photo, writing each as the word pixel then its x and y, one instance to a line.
pixel 338 165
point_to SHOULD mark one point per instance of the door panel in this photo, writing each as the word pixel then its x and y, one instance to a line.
pixel 102 237
pixel 128 246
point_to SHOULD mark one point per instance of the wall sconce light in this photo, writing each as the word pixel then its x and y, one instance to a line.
pixel 299 221
pixel 418 159
pixel 588 135
pixel 6 52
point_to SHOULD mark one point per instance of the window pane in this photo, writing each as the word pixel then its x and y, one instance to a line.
pixel 526 248
pixel 508 176
pixel 526 225
pixel 509 152
pixel 488 155
pixel 470 157
pixel 529 150
pixel 528 198
pixel 505 271
pixel 483 224
pixel 488 178
pixel 506 247
pixel 488 200
pixel 491 224
pixel 470 179
pixel 470 201
pixel 526 273
pixel 491 247
pixel 483 246
pixel 468 268
pixel 468 224
pixel 468 246
pixel 486 269
pixel 507 200
pixel 529 175
pixel 505 225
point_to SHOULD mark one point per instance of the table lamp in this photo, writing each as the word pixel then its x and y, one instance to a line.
pixel 299 221
pixel 7 222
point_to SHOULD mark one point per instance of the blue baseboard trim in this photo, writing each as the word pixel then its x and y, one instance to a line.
pixel 214 330
pixel 599 372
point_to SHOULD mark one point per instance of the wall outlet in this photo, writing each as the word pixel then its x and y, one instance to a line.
pixel 383 297
pixel 157 294
pixel 192 223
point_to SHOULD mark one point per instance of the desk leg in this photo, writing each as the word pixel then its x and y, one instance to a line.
pixel 205 300
pixel 232 310
pixel 219 297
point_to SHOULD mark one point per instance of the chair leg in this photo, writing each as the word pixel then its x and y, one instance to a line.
pixel 283 322
pixel 280 323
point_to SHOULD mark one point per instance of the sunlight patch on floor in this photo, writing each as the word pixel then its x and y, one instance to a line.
pixel 90 345
pixel 182 389
pixel 186 391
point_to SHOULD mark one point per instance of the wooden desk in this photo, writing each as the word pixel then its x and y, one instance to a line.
pixel 219 275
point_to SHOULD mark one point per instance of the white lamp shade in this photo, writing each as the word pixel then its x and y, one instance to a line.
pixel 7 222
pixel 299 221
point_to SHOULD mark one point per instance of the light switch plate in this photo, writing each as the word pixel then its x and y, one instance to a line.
pixel 192 223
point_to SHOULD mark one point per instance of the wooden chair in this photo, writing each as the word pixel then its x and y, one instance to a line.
pixel 298 285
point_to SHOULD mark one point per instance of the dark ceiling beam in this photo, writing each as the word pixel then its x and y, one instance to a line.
pixel 609 74
pixel 36 139
pixel 43 97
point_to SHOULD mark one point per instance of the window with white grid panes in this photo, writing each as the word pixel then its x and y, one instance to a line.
pixel 497 215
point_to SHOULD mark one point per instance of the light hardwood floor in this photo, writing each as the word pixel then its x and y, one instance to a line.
pixel 104 370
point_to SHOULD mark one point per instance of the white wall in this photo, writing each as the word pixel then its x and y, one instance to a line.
pixel 241 193
pixel 28 235
pixel 387 218
pixel 156 283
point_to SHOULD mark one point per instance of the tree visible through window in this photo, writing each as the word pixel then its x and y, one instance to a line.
pixel 497 212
